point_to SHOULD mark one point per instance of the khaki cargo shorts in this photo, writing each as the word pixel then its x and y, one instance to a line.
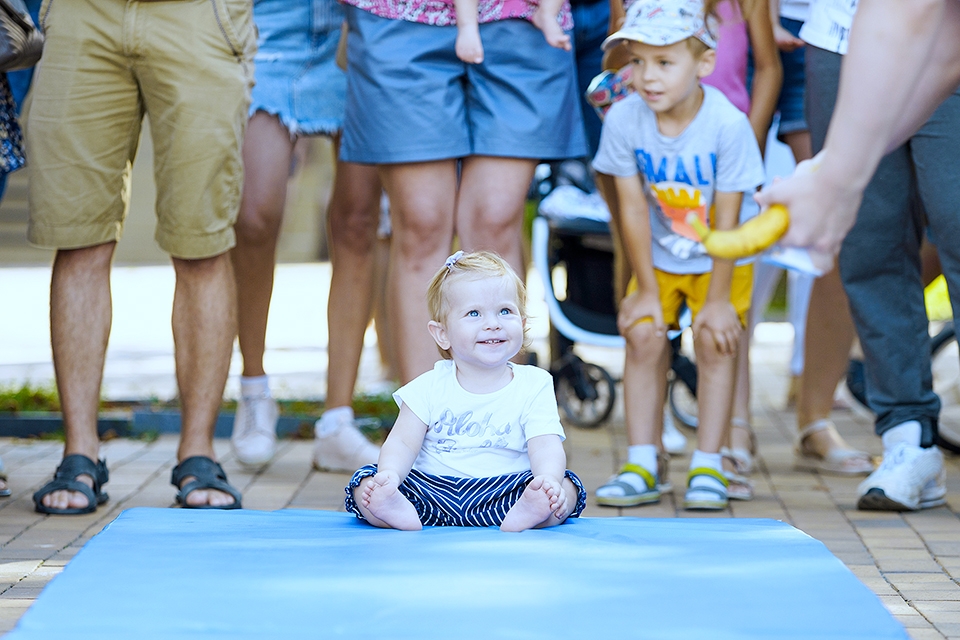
pixel 188 64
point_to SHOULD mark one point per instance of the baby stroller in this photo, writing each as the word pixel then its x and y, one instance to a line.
pixel 573 254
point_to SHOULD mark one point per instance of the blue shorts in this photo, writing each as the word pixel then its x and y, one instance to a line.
pixel 461 502
pixel 410 99
pixel 790 103
pixel 296 75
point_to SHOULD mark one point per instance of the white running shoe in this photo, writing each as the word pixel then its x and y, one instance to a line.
pixel 254 437
pixel 342 447
pixel 908 479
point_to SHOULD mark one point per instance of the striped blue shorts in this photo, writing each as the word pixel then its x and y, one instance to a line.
pixel 461 502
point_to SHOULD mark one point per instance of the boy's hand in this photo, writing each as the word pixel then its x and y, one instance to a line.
pixel 718 323
pixel 638 308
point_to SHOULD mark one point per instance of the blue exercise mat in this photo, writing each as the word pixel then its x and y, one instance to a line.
pixel 177 573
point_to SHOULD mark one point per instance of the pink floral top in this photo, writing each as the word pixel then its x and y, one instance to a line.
pixel 441 12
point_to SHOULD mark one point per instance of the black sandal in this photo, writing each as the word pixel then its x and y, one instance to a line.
pixel 65 479
pixel 208 475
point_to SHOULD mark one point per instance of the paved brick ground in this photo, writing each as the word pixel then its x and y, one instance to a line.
pixel 910 561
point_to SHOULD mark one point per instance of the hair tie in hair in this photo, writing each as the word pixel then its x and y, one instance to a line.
pixel 452 260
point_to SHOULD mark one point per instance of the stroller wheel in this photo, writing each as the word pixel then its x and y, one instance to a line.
pixel 683 402
pixel 585 393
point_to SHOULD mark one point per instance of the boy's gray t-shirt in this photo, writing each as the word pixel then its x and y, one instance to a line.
pixel 716 152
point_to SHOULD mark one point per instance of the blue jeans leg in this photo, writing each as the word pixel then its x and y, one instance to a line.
pixel 590 23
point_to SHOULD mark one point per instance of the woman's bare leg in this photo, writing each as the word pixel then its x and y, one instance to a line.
pixel 422 208
pixel 267 152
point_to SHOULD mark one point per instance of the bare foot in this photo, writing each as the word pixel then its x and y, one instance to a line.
pixel 538 502
pixel 551 30
pixel 468 45
pixel 389 506
pixel 208 497
pixel 68 499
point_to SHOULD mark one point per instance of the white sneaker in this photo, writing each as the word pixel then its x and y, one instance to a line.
pixel 254 437
pixel 908 479
pixel 343 448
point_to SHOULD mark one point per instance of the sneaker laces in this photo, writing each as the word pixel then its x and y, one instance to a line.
pixel 250 425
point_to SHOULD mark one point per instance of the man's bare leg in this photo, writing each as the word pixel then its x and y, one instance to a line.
pixel 80 318
pixel 204 325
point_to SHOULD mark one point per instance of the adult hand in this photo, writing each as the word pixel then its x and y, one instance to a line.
pixel 822 210
pixel 785 40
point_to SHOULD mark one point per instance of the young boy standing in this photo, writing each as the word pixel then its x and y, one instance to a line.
pixel 676 146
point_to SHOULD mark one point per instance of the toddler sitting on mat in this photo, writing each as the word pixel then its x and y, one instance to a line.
pixel 478 441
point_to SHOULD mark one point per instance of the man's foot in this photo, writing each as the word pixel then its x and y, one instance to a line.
pixel 202 484
pixel 468 45
pixel 254 437
pixel 76 487
pixel 551 30
pixel 536 504
pixel 389 506
pixel 339 445
pixel 908 479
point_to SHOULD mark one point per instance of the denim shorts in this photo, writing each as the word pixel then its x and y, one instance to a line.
pixel 410 99
pixel 790 103
pixel 461 502
pixel 297 78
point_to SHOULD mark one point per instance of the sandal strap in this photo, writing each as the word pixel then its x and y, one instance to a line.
pixel 66 479
pixel 648 478
pixel 816 426
pixel 707 471
pixel 80 465
pixel 207 474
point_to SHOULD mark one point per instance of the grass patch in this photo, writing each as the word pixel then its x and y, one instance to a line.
pixel 27 398
pixel 375 413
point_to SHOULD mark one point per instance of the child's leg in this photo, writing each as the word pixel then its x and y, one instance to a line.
pixel 706 483
pixel 468 46
pixel 716 380
pixel 715 383
pixel 647 359
pixel 646 362
pixel 545 19
pixel 382 505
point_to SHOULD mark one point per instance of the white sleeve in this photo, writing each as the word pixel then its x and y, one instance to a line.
pixel 540 415
pixel 616 155
pixel 416 395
